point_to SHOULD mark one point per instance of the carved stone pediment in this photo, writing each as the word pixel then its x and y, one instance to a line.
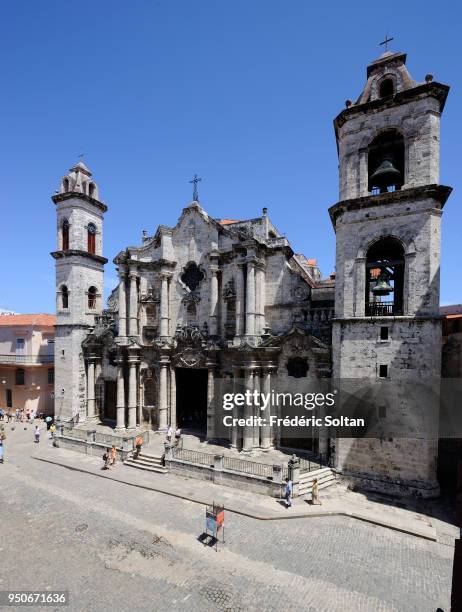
pixel 189 357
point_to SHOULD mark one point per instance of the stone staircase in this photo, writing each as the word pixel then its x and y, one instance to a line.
pixel 325 476
pixel 145 461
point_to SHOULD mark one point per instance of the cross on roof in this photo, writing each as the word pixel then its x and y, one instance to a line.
pixel 386 41
pixel 194 181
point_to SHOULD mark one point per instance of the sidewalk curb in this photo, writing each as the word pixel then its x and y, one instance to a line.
pixel 355 515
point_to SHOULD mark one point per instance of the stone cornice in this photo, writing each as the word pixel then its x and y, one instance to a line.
pixel 61 197
pixel 78 253
pixel 437 192
pixel 434 89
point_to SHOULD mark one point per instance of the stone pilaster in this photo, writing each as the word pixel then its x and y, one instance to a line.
pixel 260 297
pixel 163 394
pixel 247 441
pixel 120 394
pixel 133 361
pixel 256 410
pixel 122 303
pixel 250 301
pixel 133 301
pixel 91 388
pixel 210 402
pixel 214 301
pixel 235 432
pixel 266 429
pixel 164 304
pixel 240 315
pixel 173 422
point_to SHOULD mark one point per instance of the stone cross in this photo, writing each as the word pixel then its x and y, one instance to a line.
pixel 195 180
pixel 386 41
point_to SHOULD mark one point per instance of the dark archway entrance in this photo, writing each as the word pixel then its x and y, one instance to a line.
pixel 191 399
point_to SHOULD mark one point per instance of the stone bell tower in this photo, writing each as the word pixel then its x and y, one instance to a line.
pixel 79 288
pixel 386 333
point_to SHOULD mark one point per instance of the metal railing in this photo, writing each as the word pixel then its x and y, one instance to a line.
pixel 383 309
pixel 248 467
pixel 193 456
pixel 26 359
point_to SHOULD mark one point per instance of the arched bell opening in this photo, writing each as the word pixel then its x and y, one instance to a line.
pixel 386 162
pixel 385 278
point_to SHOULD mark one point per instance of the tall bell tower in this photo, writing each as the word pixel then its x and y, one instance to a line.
pixel 79 285
pixel 387 331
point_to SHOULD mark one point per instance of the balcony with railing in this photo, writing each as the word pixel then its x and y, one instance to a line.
pixel 383 309
pixel 20 359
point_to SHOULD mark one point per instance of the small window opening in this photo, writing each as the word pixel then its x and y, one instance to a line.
pixel 386 88
pixel 92 297
pixel 20 376
pixel 297 367
pixel 384 333
pixel 65 235
pixel 91 189
pixel 383 371
pixel 64 297
pixel 91 238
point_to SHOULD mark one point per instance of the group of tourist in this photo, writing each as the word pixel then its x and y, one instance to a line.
pixel 110 458
pixel 170 434
pixel 20 415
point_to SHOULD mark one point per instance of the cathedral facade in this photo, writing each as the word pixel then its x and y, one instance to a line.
pixel 220 299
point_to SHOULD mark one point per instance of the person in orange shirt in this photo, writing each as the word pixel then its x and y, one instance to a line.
pixel 138 445
pixel 113 454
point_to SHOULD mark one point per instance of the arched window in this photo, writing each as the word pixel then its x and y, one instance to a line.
pixel 91 189
pixel 386 162
pixel 92 297
pixel 385 278
pixel 65 184
pixel 64 297
pixel 387 88
pixel 65 235
pixel 91 238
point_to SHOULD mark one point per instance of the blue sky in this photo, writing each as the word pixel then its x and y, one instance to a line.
pixel 242 92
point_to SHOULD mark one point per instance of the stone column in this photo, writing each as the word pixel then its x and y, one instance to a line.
pixel 235 433
pixel 261 298
pixel 173 398
pixel 256 410
pixel 266 429
pixel 91 388
pixel 133 320
pixel 98 396
pixel 240 300
pixel 250 301
pixel 359 307
pixel 164 305
pixel 214 301
pixel 247 442
pixel 163 398
pixel 210 403
pixel 120 394
pixel 122 303
pixel 132 391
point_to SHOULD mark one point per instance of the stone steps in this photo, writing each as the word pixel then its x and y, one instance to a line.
pixel 147 462
pixel 325 478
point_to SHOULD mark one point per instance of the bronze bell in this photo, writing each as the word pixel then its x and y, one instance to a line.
pixel 383 286
pixel 386 174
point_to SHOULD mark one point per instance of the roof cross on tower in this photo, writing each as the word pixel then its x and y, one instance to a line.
pixel 195 180
pixel 386 41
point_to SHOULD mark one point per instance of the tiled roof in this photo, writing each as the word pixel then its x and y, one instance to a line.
pixel 228 221
pixel 40 319
pixel 454 309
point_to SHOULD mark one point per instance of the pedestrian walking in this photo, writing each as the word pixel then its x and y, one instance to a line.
pixel 289 490
pixel 113 455
pixel 48 421
pixel 106 459
pixel 52 431
pixel 2 451
pixel 315 493
pixel 2 414
pixel 138 445
pixel 177 435
pixel 169 433
pixel 37 434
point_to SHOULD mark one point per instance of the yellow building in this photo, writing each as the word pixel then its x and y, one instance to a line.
pixel 27 362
